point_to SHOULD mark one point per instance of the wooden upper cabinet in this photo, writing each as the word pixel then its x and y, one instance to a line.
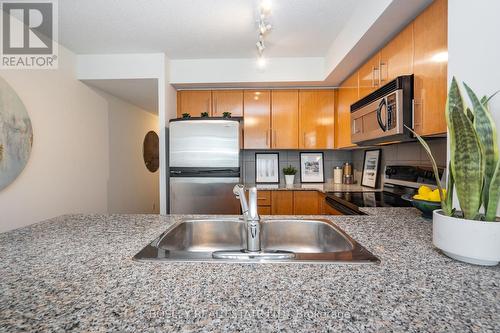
pixel 430 68
pixel 369 76
pixel 316 119
pixel 347 94
pixel 285 119
pixel 194 102
pixel 227 101
pixel 257 119
pixel 396 58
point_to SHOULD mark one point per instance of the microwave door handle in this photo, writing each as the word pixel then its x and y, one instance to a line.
pixel 379 114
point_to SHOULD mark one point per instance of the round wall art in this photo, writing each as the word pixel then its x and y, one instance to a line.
pixel 16 135
pixel 151 151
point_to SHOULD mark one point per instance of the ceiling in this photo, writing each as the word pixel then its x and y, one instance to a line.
pixel 192 29
pixel 139 92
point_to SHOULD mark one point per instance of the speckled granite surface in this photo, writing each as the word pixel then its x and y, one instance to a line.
pixel 326 187
pixel 76 273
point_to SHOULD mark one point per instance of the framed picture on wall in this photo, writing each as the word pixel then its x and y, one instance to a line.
pixel 312 167
pixel 371 165
pixel 267 168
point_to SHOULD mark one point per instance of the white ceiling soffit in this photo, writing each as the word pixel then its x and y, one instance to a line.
pixel 142 93
pixel 371 26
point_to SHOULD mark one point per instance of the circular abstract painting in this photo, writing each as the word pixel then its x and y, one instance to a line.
pixel 16 135
pixel 151 151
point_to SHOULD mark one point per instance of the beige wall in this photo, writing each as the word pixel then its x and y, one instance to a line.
pixel 132 188
pixel 68 168
pixel 86 152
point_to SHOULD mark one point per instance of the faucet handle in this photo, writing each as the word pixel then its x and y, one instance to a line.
pixel 238 189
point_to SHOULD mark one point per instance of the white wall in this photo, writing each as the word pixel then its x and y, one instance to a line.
pixel 132 188
pixel 473 47
pixel 68 168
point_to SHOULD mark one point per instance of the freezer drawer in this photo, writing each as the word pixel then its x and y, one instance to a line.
pixel 203 195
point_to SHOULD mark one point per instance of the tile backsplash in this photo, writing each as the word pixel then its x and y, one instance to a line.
pixel 410 153
pixel 332 158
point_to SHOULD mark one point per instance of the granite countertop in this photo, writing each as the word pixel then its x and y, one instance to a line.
pixel 324 188
pixel 75 272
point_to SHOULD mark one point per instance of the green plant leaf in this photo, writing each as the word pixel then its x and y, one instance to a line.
pixel 444 205
pixel 470 114
pixel 465 152
pixel 449 190
pixel 494 195
pixel 486 133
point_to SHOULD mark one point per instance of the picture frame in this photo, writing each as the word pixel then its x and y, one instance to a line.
pixel 267 168
pixel 312 167
pixel 371 167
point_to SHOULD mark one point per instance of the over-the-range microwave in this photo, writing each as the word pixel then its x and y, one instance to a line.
pixel 380 117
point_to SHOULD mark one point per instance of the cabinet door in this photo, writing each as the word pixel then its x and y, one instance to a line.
pixel 194 102
pixel 285 119
pixel 430 69
pixel 257 119
pixel 264 210
pixel 305 203
pixel 316 119
pixel 369 76
pixel 227 101
pixel 347 94
pixel 396 58
pixel 282 203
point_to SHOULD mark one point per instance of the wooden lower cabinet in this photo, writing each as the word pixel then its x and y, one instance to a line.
pixel 285 202
pixel 264 210
pixel 282 203
pixel 305 203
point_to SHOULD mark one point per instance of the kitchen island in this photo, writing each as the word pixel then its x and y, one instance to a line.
pixel 76 272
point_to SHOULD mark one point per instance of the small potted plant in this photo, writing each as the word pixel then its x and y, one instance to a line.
pixel 472 233
pixel 204 114
pixel 289 172
pixel 226 114
pixel 186 116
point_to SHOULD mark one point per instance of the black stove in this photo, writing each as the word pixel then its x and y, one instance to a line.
pixel 398 180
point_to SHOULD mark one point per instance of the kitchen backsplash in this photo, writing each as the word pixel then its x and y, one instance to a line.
pixel 410 153
pixel 401 154
pixel 291 157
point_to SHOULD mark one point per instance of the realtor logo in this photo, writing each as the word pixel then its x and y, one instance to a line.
pixel 29 34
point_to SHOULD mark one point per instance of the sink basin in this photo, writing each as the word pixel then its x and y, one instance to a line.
pixel 282 240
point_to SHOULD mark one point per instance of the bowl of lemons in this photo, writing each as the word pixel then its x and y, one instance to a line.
pixel 426 200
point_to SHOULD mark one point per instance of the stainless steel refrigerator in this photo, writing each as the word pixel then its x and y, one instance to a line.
pixel 204 166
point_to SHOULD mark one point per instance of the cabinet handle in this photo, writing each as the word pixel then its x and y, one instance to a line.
pixel 216 107
pixel 381 75
pixel 373 76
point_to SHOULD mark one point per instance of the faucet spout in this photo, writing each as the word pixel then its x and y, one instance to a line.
pixel 250 216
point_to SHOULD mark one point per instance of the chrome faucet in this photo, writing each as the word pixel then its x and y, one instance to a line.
pixel 250 216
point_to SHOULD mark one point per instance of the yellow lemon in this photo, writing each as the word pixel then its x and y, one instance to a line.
pixel 424 190
pixel 419 197
pixel 434 196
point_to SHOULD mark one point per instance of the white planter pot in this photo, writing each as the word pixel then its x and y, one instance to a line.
pixel 289 179
pixel 470 241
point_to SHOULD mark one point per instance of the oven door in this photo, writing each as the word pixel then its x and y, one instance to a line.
pixel 382 118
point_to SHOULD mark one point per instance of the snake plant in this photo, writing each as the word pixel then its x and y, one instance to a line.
pixel 474 168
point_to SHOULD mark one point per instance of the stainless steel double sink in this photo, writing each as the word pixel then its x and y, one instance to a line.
pixel 282 241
